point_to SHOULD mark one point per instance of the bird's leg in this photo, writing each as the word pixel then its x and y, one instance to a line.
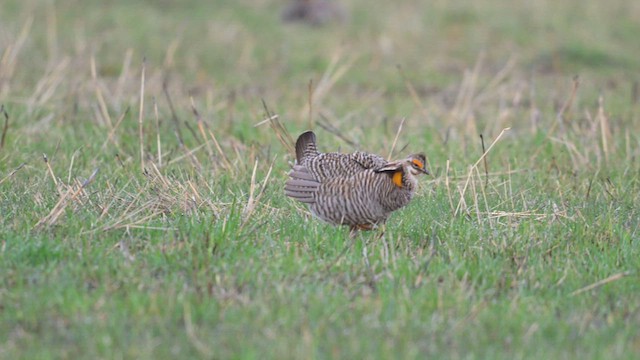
pixel 354 229
pixel 353 232
pixel 381 230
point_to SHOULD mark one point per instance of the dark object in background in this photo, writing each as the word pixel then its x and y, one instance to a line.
pixel 314 12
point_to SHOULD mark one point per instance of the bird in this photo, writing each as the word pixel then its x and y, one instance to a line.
pixel 314 12
pixel 359 190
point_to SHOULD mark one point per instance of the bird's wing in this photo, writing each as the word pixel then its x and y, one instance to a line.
pixel 368 161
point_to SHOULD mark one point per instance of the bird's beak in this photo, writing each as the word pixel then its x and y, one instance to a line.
pixel 425 171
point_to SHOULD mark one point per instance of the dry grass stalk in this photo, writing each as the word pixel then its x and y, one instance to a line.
pixel 497 79
pixel 461 202
pixel 225 159
pixel 174 116
pixel 448 185
pixel 329 127
pixel 486 166
pixel 330 77
pixel 483 190
pixel 73 159
pixel 413 93
pixel 281 132
pixel 395 139
pixel 158 197
pixel 127 217
pixel 141 114
pixel 124 76
pixel 310 104
pixel 253 197
pixel 102 104
pixel 50 170
pixel 604 128
pixel 112 199
pixel 565 107
pixel 5 128
pixel 602 282
pixel 201 127
pixel 516 215
pixel 461 111
pixel 158 141
pixel 169 57
pixel 47 86
pixel 113 130
pixel 12 173
pixel 9 58
pixel 58 208
pixel 65 199
pixel 191 155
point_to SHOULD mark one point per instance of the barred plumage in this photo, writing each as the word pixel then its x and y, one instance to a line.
pixel 359 189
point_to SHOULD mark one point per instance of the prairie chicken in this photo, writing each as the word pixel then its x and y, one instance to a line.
pixel 360 190
pixel 314 12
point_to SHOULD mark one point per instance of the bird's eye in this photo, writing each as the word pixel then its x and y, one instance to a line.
pixel 417 164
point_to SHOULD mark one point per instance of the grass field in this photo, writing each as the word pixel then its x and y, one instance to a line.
pixel 157 227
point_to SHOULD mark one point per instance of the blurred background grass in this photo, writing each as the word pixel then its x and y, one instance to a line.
pixel 192 256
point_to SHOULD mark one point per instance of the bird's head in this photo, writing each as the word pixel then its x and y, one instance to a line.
pixel 415 164
pixel 404 172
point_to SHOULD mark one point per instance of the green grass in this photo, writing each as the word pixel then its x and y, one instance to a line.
pixel 189 256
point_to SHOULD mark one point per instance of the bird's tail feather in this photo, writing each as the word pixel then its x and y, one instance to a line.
pixel 306 146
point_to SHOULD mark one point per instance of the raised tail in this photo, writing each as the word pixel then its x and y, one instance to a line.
pixel 301 185
pixel 306 146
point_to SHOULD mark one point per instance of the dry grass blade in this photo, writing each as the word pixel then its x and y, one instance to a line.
pixel 447 184
pixel 281 132
pixel 113 130
pixel 9 58
pixel 517 215
pixel 12 173
pixel 158 142
pixel 174 116
pixel 329 127
pixel 124 75
pixel 47 86
pixel 65 199
pixel 461 202
pixel 413 92
pixel 604 128
pixel 331 76
pixel 495 81
pixel 225 158
pixel 486 167
pixel 310 104
pixel 598 284
pixel 5 128
pixel 253 198
pixel 562 111
pixel 464 99
pixel 201 125
pixel 58 208
pixel 395 140
pixel 491 146
pixel 99 96
pixel 141 114
pixel 190 154
pixel 50 170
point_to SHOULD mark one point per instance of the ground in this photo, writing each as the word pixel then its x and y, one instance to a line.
pixel 145 145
